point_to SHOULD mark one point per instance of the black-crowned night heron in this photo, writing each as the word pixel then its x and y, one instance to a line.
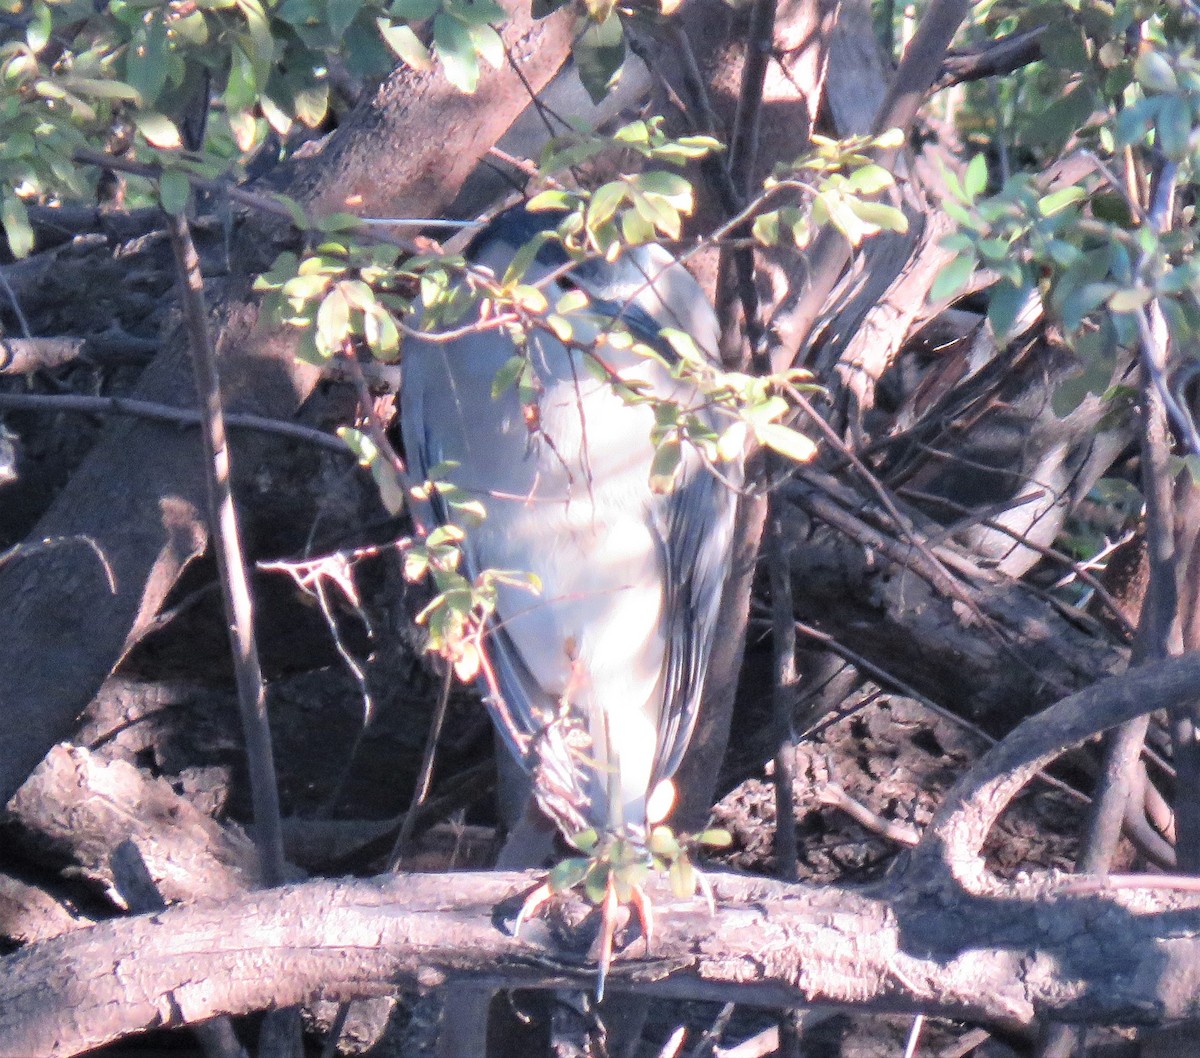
pixel 600 673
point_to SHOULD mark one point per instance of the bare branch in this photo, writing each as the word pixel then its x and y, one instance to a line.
pixel 145 409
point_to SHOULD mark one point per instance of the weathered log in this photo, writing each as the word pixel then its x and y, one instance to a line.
pixel 77 810
pixel 941 935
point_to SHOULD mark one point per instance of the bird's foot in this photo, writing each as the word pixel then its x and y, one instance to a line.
pixel 612 873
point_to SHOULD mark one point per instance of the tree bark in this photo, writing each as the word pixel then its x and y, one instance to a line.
pixel 941 935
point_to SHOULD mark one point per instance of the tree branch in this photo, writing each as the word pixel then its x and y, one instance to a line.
pixel 892 947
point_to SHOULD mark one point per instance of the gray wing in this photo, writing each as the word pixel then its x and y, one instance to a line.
pixel 697 540
pixel 523 709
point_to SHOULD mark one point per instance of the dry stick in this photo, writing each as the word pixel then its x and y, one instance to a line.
pixel 146 409
pixel 1158 632
pixel 783 648
pixel 886 680
pixel 743 155
pixel 1078 569
pixel 712 1035
pixel 282 1028
pixel 231 564
pixel 1157 628
pixel 401 849
pixel 421 792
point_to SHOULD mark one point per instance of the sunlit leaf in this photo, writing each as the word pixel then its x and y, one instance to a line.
pixel 456 50
pixel 16 225
pixel 158 129
pixel 786 441
pixel 1154 72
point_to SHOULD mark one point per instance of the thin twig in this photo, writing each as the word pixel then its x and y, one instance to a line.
pixel 231 564
pixel 144 409
pixel 259 202
pixel 712 1035
pixel 22 322
pixel 281 1031
pixel 835 796
pixel 425 777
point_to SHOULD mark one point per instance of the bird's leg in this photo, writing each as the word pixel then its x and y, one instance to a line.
pixel 612 872
pixel 534 902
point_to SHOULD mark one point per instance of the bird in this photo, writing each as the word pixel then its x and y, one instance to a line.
pixel 597 676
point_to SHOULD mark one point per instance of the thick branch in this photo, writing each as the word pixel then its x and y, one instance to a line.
pixel 899 948
pixel 957 832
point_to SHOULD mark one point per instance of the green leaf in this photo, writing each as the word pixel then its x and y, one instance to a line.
pixel 596 882
pixel 1154 73
pixel 684 345
pixel 765 228
pixel 1174 127
pixel 659 213
pixel 41 25
pixel 975 178
pixel 554 198
pixel 683 878
pixel 382 334
pixel 604 202
pixel 1111 206
pixel 1061 119
pixel 599 53
pixel 568 873
pixel 1059 200
pixel 1004 305
pixel 488 45
pixel 480 12
pixel 174 189
pixel 98 89
pixel 584 840
pixel 456 50
pixel 881 216
pixel 671 186
pixel 507 375
pixel 787 442
pixel 663 842
pixel 560 327
pixel 261 49
pixel 572 301
pixel 340 13
pixel 405 44
pixel 716 838
pixel 870 179
pixel 953 277
pixel 665 466
pixel 146 57
pixel 635 228
pixel 1129 299
pixel 333 321
pixel 16 225
pixel 414 10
